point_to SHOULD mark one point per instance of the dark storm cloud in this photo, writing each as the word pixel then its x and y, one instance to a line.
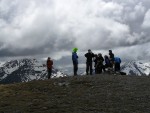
pixel 54 27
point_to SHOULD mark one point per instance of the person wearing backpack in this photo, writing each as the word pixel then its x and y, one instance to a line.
pixel 75 61
pixel 117 62
pixel 49 67
pixel 89 56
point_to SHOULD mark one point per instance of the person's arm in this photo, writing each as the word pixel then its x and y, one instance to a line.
pixel 93 55
pixel 52 64
pixel 85 55
pixel 77 56
pixel 73 56
pixel 94 59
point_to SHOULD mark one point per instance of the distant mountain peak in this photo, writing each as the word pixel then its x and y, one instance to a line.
pixel 24 70
pixel 136 68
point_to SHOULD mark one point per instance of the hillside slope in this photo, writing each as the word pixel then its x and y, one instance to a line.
pixel 84 94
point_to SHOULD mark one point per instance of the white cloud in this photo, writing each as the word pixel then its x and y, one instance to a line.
pixel 55 26
pixel 146 23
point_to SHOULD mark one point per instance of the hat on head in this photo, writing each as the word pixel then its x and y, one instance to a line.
pixel 110 50
pixel 75 49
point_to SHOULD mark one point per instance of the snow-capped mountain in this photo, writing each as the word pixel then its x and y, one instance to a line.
pixel 25 70
pixel 136 68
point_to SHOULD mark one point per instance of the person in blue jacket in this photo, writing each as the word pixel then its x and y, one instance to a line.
pixel 117 62
pixel 75 60
pixel 107 61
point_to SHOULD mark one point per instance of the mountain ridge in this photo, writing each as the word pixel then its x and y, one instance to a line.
pixel 139 68
pixel 24 70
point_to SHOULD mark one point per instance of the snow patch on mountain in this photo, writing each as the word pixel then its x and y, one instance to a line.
pixel 25 70
pixel 136 68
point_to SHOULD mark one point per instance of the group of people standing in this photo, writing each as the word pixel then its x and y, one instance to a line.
pixel 101 63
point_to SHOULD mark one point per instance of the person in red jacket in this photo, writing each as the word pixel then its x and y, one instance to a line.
pixel 49 67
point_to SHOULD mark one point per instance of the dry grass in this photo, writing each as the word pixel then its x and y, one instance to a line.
pixel 84 94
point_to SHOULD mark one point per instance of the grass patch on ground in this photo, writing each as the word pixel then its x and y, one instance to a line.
pixel 83 94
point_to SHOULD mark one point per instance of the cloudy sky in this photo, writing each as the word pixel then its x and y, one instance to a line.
pixel 42 28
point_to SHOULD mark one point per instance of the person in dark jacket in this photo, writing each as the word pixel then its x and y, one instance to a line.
pixel 49 67
pixel 117 62
pixel 89 56
pixel 100 66
pixel 75 61
pixel 111 57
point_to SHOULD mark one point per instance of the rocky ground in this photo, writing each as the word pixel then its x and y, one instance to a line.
pixel 82 94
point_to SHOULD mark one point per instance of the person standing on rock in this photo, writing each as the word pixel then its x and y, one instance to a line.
pixel 89 56
pixel 75 61
pixel 49 67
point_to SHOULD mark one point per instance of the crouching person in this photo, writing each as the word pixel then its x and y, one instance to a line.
pixel 117 62
pixel 100 65
pixel 107 62
pixel 49 67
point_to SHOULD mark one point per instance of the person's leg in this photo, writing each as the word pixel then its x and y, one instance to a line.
pixel 91 70
pixel 111 65
pixel 100 69
pixel 106 67
pixel 103 67
pixel 96 70
pixel 87 67
pixel 95 67
pixel 119 67
pixel 49 73
pixel 75 68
